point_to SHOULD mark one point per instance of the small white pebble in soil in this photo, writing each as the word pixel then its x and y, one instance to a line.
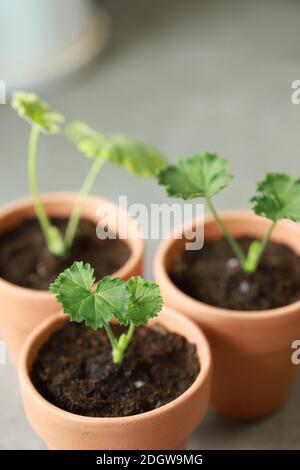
pixel 244 287
pixel 232 263
pixel 139 384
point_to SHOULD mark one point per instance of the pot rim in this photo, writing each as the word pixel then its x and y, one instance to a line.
pixel 136 246
pixel 55 321
pixel 161 275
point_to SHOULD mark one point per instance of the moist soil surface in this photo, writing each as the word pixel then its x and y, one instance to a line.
pixel 74 371
pixel 213 276
pixel 26 261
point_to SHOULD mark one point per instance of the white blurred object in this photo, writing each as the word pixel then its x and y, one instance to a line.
pixel 44 39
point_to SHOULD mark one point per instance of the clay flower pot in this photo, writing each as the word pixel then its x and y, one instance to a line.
pixel 253 372
pixel 167 427
pixel 21 309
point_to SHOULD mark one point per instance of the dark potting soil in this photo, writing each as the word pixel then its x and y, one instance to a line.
pixel 26 261
pixel 74 371
pixel 213 276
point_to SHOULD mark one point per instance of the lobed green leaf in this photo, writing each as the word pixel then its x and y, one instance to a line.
pixel 87 140
pixel 278 197
pixel 138 158
pixel 112 299
pixel 145 301
pixel 201 175
pixel 36 112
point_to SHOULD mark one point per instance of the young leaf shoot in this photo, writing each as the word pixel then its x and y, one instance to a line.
pixel 204 175
pixel 130 303
pixel 136 157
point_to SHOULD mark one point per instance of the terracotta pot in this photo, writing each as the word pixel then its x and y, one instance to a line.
pixel 21 309
pixel 253 372
pixel 167 427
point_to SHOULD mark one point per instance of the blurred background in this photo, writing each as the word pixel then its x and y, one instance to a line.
pixel 181 75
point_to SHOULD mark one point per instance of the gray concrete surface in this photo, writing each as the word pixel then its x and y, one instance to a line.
pixel 184 76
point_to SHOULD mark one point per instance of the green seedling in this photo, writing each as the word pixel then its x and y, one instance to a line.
pixel 205 174
pixel 138 158
pixel 131 303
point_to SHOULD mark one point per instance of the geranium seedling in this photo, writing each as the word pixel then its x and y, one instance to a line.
pixel 278 198
pixel 136 157
pixel 131 303
pixel 45 120
pixel 205 174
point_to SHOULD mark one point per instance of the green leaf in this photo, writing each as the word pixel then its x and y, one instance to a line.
pixel 201 175
pixel 112 298
pixel 87 140
pixel 146 301
pixel 73 290
pixel 278 198
pixel 136 157
pixel 36 112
